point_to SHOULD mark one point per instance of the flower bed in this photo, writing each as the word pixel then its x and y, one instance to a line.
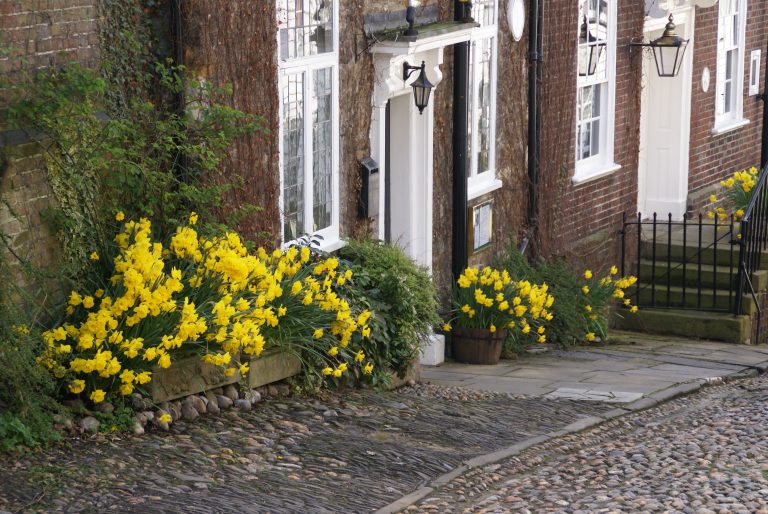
pixel 203 297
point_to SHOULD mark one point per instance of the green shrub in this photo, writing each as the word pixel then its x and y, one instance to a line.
pixel 403 300
pixel 26 391
pixel 145 160
pixel 583 302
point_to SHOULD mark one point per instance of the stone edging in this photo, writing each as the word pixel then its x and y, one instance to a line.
pixel 641 404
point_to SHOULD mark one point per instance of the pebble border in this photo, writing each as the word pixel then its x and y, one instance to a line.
pixel 652 400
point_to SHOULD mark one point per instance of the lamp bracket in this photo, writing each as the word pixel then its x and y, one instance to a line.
pixel 409 70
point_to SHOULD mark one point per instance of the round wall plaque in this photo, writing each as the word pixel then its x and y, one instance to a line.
pixel 516 18
pixel 705 80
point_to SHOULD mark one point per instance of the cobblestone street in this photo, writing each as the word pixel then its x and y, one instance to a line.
pixel 457 449
pixel 345 452
pixel 705 453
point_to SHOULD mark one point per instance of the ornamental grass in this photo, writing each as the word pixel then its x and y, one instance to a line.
pixel 489 299
pixel 205 297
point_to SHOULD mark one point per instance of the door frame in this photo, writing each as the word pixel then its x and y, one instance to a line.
pixel 684 18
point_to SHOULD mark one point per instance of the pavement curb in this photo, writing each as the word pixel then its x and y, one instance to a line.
pixel 645 403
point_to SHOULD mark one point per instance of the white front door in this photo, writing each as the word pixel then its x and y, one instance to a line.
pixel 665 129
pixel 410 179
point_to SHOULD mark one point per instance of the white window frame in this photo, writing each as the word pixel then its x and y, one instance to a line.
pixel 734 118
pixel 603 162
pixel 754 72
pixel 307 65
pixel 479 184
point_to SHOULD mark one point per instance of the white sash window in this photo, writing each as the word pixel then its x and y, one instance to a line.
pixel 729 112
pixel 595 88
pixel 309 114
pixel 482 100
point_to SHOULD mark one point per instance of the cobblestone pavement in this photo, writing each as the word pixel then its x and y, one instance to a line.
pixel 706 453
pixel 343 452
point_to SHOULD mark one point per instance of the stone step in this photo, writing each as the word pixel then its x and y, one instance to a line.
pixel 724 276
pixel 676 252
pixel 721 299
pixel 689 323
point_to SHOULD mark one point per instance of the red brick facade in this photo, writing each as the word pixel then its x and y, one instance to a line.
pixel 581 221
pixel 578 221
pixel 714 157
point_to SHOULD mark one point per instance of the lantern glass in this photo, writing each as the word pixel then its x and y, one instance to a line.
pixel 669 58
pixel 421 96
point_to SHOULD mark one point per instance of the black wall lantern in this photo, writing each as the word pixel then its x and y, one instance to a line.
pixel 590 50
pixel 668 50
pixel 422 87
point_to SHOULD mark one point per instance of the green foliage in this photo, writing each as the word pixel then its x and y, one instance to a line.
pixel 403 300
pixel 145 160
pixel 582 306
pixel 26 404
pixel 121 419
pixel 127 46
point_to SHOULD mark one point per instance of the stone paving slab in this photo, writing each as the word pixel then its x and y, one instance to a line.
pixel 638 363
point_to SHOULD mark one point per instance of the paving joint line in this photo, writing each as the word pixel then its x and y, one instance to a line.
pixel 653 400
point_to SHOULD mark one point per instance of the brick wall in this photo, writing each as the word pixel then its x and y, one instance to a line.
pixel 713 157
pixel 38 33
pixel 46 32
pixel 579 222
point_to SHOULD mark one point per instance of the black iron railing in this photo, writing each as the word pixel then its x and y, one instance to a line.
pixel 753 242
pixel 688 264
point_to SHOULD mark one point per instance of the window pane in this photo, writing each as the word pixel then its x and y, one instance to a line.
pixel 322 138
pixel 293 156
pixel 484 12
pixel 306 27
pixel 588 112
pixel 593 39
pixel 482 81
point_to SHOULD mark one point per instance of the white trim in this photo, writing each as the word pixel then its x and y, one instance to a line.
pixel 418 163
pixel 584 168
pixel 729 126
pixel 423 44
pixel 595 173
pixel 332 246
pixel 477 188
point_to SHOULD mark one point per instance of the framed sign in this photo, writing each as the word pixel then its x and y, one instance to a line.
pixel 480 227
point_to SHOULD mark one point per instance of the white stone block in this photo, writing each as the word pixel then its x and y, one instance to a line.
pixel 433 353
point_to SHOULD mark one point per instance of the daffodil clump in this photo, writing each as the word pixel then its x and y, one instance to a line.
pixel 489 298
pixel 737 193
pixel 200 296
pixel 598 293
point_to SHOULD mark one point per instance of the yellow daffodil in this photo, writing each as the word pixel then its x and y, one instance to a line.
pixel 76 386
